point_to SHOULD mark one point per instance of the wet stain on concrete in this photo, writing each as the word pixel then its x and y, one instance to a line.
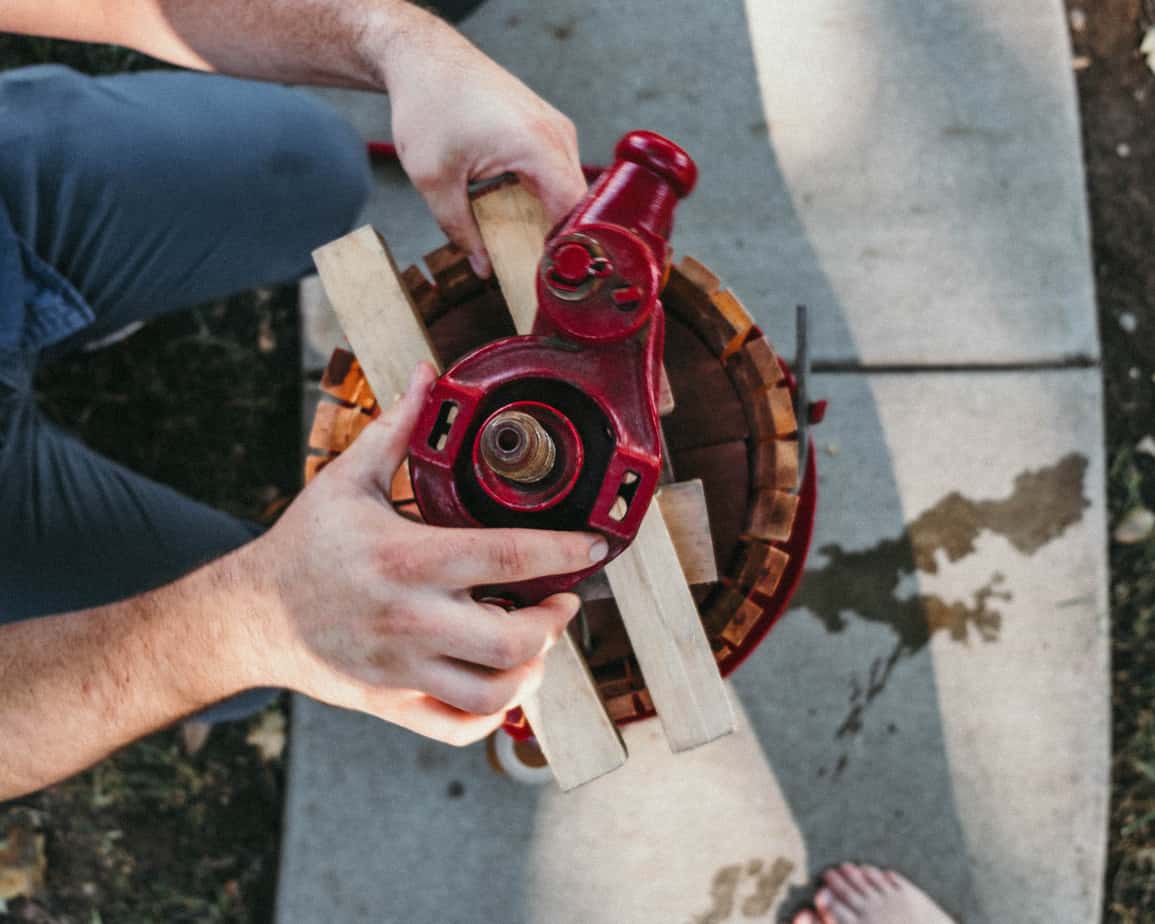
pixel 749 889
pixel 723 895
pixel 1041 506
pixel 768 885
pixel 865 584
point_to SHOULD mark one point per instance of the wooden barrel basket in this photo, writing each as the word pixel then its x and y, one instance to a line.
pixel 733 426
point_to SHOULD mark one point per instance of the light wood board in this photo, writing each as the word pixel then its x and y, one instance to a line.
pixel 375 310
pixel 578 738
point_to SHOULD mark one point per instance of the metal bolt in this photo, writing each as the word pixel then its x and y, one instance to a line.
pixel 518 448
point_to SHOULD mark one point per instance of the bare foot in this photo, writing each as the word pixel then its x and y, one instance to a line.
pixel 854 894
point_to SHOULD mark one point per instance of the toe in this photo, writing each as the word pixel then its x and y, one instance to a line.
pixel 896 880
pixel 833 911
pixel 844 890
pixel 856 876
pixel 876 878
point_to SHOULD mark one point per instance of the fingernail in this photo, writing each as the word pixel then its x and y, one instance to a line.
pixel 480 265
pixel 598 550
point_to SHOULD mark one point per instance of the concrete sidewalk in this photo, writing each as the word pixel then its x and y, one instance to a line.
pixel 937 700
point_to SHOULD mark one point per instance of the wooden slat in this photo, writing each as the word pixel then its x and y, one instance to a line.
pixel 760 568
pixel 513 226
pixel 772 515
pixel 725 472
pixel 725 601
pixel 666 402
pixel 314 464
pixel 453 274
pixel 341 376
pixel 621 707
pixel 776 464
pixel 761 355
pixel 470 324
pixel 363 395
pixel 577 736
pixel 781 405
pixel 710 415
pixel 683 506
pixel 568 718
pixel 688 521
pixel 700 275
pixel 401 488
pixel 737 319
pixel 422 293
pixel 667 636
pixel 325 422
pixel 374 309
pixel 740 624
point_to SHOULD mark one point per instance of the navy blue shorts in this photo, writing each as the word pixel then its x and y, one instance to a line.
pixel 141 194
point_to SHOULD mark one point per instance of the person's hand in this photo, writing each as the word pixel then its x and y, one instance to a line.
pixel 459 117
pixel 373 610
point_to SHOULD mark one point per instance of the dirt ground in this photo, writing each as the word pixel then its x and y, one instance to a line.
pixel 208 401
pixel 1117 96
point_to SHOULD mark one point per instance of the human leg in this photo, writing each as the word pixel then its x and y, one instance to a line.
pixel 146 193
pixel 80 530
pixel 155 191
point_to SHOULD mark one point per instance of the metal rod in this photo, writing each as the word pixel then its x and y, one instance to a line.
pixel 802 402
pixel 517 447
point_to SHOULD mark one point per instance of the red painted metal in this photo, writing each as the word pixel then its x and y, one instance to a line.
pixel 588 372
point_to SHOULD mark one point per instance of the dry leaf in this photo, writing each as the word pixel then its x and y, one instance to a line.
pixel 268 735
pixel 22 860
pixel 266 339
pixel 194 735
pixel 1136 525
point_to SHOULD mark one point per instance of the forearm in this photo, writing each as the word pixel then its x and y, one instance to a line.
pixel 332 42
pixel 76 686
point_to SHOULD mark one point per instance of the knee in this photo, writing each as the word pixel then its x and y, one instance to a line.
pixel 278 155
pixel 41 89
pixel 337 168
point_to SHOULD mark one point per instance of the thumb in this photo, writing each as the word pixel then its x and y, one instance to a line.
pixel 382 446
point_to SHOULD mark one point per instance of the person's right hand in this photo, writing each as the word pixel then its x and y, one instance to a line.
pixel 374 611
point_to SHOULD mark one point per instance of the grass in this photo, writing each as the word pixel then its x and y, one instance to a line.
pixel 1117 101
